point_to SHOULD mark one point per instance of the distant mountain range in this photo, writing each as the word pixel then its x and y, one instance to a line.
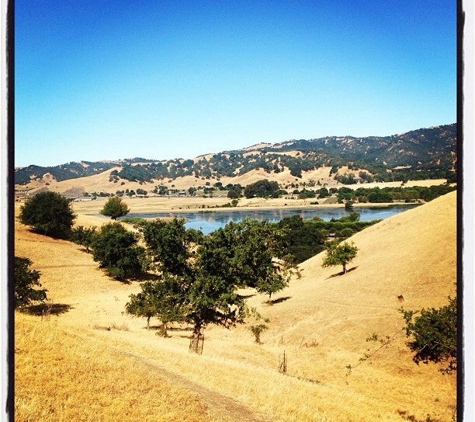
pixel 420 154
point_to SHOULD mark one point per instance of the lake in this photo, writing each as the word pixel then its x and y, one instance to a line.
pixel 208 221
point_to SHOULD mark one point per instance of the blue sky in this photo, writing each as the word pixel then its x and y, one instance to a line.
pixel 110 79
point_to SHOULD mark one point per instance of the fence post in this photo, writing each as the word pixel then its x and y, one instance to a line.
pixel 283 364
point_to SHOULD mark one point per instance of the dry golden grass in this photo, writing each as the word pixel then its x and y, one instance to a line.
pixel 321 321
pixel 62 377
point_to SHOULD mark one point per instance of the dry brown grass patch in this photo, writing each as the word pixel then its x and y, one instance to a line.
pixel 60 377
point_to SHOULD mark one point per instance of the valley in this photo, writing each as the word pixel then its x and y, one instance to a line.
pixel 321 322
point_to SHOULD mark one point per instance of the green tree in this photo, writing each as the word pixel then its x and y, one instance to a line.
pixel 249 254
pixel 262 188
pixel 116 249
pixel 234 193
pixel 169 244
pixel 379 196
pixel 141 305
pixel 48 213
pixel 203 289
pixel 340 254
pixel 164 299
pixel 434 334
pixel 114 208
pixel 83 236
pixel 25 281
pixel 300 238
pixel 323 193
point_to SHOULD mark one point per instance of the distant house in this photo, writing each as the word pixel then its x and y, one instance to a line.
pixel 84 199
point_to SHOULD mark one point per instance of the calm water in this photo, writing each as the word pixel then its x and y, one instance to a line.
pixel 209 221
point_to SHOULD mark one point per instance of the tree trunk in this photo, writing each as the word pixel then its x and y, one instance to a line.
pixel 197 331
pixel 148 323
pixel 196 337
pixel 344 268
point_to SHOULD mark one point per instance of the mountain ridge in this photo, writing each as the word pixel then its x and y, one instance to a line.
pixel 419 154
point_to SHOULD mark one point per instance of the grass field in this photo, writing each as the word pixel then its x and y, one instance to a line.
pixel 90 362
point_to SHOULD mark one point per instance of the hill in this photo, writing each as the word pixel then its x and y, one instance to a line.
pixel 421 154
pixel 321 322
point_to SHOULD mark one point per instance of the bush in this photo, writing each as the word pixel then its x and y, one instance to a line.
pixel 116 249
pixel 434 334
pixel 83 236
pixel 346 232
pixel 24 282
pixel 48 213
pixel 114 208
pixel 340 255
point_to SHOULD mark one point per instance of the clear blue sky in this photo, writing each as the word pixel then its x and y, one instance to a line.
pixel 109 79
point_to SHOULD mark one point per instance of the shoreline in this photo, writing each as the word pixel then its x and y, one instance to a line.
pixel 179 204
pixel 269 208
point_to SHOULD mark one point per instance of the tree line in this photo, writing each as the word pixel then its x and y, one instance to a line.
pixel 188 277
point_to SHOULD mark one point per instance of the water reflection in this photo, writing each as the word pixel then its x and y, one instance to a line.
pixel 208 221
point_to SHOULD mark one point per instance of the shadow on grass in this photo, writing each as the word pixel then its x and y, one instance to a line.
pixel 145 277
pixel 180 328
pixel 278 300
pixel 130 279
pixel 43 309
pixel 159 327
pixel 247 296
pixel 342 273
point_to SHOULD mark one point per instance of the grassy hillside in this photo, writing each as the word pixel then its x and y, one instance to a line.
pixel 321 321
pixel 428 153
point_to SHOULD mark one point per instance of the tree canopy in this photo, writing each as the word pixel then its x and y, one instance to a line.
pixel 434 334
pixel 340 254
pixel 117 250
pixel 249 253
pixel 84 236
pixel 162 298
pixel 114 208
pixel 262 188
pixel 169 244
pixel 48 213
pixel 25 281
pixel 199 283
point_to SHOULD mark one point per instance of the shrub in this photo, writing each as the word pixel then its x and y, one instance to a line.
pixel 116 249
pixel 83 236
pixel 340 255
pixel 346 232
pixel 48 213
pixel 114 208
pixel 434 334
pixel 24 282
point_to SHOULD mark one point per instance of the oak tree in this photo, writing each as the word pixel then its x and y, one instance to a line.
pixel 49 213
pixel 25 281
pixel 114 208
pixel 433 334
pixel 117 251
pixel 340 254
pixel 83 236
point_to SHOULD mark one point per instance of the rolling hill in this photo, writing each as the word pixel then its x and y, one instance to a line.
pixel 421 154
pixel 321 322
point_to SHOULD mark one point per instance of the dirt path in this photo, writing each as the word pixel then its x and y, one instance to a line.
pixel 220 408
